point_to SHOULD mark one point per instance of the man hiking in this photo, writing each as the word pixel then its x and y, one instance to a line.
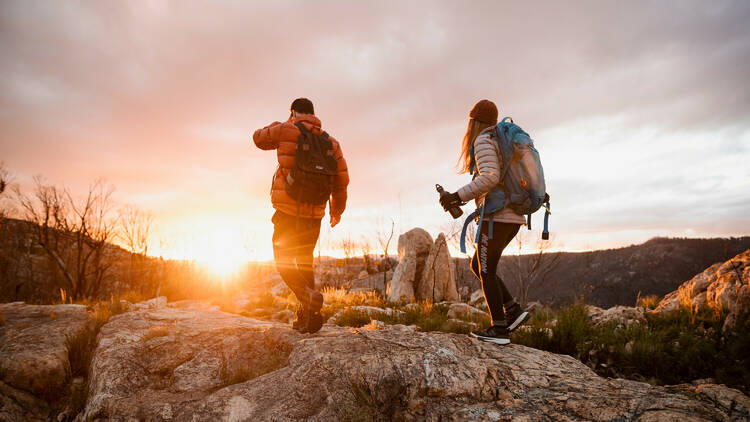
pixel 311 172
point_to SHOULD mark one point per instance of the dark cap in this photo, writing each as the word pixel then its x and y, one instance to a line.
pixel 303 106
pixel 484 111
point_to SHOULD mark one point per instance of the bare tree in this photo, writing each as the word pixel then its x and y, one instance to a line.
pixel 74 234
pixel 532 270
pixel 135 234
pixel 453 231
pixel 384 240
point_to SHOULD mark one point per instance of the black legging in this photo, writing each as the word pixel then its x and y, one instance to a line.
pixel 484 265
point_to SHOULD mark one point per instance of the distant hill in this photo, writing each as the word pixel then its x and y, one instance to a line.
pixel 616 276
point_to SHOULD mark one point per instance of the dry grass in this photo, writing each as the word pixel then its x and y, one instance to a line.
pixel 80 348
pixel 648 302
pixel 156 331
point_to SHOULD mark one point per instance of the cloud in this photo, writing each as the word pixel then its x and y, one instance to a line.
pixel 625 100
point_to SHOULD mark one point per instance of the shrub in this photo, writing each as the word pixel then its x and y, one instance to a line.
pixel 648 302
pixel 670 348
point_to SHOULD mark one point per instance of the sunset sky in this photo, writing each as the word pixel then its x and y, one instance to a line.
pixel 640 110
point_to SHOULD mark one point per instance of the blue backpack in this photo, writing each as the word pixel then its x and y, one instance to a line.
pixel 521 187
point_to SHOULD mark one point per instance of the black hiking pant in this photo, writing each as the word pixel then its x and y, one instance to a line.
pixel 484 265
pixel 294 242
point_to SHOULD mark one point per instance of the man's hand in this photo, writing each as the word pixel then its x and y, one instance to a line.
pixel 335 220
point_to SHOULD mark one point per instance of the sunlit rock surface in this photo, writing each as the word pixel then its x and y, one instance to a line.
pixel 34 366
pixel 722 285
pixel 193 364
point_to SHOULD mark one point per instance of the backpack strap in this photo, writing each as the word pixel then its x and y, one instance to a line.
pixel 545 232
pixel 469 219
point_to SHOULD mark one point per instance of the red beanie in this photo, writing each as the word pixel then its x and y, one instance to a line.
pixel 484 111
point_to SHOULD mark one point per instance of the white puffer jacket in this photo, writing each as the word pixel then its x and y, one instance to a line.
pixel 489 166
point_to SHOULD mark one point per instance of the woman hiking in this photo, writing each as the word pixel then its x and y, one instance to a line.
pixel 485 164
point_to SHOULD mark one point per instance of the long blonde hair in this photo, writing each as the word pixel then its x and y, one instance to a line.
pixel 473 129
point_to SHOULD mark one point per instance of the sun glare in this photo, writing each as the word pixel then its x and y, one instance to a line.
pixel 221 248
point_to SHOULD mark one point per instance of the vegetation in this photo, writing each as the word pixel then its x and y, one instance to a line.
pixel 670 348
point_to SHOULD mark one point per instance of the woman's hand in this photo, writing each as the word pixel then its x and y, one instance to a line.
pixel 335 220
pixel 450 200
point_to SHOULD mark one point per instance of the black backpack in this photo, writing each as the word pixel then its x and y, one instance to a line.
pixel 311 178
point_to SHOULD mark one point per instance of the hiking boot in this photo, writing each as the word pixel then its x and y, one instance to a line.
pixel 300 319
pixel 497 334
pixel 515 316
pixel 314 320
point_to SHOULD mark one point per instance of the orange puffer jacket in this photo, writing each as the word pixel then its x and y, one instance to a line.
pixel 283 138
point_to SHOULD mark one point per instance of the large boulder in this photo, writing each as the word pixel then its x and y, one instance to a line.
pixel 34 359
pixel 154 364
pixel 438 281
pixel 413 248
pixel 191 372
pixel 721 286
pixel 401 287
pixel 620 316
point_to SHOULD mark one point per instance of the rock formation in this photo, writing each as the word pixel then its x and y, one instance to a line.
pixel 34 362
pixel 413 248
pixel 721 286
pixel 183 362
pixel 425 270
pixel 198 370
pixel 438 280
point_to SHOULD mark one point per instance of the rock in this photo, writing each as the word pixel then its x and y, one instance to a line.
pixel 401 288
pixel 363 274
pixel 138 376
pixel 438 281
pixel 477 297
pixel 196 304
pixel 34 363
pixel 463 291
pixel 388 372
pixel 625 316
pixel 374 282
pixel 462 310
pixel 416 238
pixel 372 311
pixel 720 286
pixel 155 303
pixel 285 316
pixel 280 289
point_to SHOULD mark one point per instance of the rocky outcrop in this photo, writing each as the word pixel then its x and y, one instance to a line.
pixel 721 286
pixel 438 280
pixel 34 359
pixel 156 364
pixel 372 311
pixel 425 270
pixel 622 316
pixel 196 369
pixel 413 248
pixel 462 310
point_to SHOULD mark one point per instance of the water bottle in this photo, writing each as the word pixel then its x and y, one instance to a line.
pixel 455 210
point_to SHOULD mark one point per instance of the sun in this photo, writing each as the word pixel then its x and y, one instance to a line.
pixel 221 250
